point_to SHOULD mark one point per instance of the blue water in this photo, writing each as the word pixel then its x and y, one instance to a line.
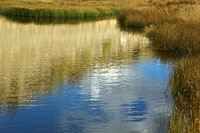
pixel 119 91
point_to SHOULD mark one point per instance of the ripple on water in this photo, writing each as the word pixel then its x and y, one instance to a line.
pixel 86 77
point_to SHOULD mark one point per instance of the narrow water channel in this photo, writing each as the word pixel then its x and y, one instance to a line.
pixel 84 77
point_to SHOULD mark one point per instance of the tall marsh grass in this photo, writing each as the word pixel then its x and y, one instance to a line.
pixel 181 37
pixel 175 27
pixel 186 76
pixel 185 84
pixel 140 18
pixel 64 8
pixel 55 13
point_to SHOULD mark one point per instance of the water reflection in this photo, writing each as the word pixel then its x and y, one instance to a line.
pixel 44 21
pixel 89 77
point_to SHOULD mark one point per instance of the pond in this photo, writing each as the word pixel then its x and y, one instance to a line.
pixel 83 77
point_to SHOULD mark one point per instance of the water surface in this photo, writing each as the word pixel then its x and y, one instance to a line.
pixel 84 77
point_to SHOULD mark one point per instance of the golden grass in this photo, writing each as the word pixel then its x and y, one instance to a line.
pixel 181 37
pixel 187 77
pixel 175 26
pixel 185 84
pixel 140 18
pixel 171 28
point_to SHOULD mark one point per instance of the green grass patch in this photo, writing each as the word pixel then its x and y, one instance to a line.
pixel 64 8
pixel 55 13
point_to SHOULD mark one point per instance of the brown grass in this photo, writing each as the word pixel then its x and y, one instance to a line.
pixel 187 77
pixel 181 37
pixel 185 84
pixel 140 18
pixel 178 32
pixel 171 28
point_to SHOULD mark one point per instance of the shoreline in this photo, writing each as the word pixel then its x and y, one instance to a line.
pixel 55 13
pixel 65 8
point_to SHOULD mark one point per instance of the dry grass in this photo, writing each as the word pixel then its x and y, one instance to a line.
pixel 174 29
pixel 140 18
pixel 181 37
pixel 175 26
pixel 173 2
pixel 187 77
pixel 171 28
pixel 185 84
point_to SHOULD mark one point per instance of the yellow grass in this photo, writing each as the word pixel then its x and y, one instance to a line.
pixel 179 32
pixel 185 84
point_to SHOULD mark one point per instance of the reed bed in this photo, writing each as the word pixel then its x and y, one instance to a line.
pixel 185 84
pixel 170 28
pixel 55 13
pixel 63 8
pixel 140 18
pixel 174 26
pixel 181 37
pixel 186 75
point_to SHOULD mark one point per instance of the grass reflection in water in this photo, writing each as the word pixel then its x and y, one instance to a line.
pixel 33 56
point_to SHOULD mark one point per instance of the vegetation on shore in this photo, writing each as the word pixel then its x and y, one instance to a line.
pixel 180 37
pixel 185 84
pixel 174 26
pixel 64 8
pixel 56 13
pixel 139 18
pixel 171 25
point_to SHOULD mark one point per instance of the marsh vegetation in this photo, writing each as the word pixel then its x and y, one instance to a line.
pixel 64 8
pixel 174 26
pixel 171 25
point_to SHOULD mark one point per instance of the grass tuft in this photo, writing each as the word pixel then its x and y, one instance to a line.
pixel 145 17
pixel 185 84
pixel 64 8
pixel 54 13
pixel 180 37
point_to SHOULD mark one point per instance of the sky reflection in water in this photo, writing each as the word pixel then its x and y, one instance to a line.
pixel 88 77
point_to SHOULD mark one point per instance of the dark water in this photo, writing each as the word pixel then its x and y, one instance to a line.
pixel 86 77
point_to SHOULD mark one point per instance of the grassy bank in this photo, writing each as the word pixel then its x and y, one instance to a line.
pixel 186 75
pixel 64 8
pixel 174 28
pixel 56 13
pixel 185 84
pixel 139 18
pixel 181 37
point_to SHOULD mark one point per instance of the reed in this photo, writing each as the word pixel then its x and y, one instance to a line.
pixel 55 13
pixel 185 85
pixel 64 8
pixel 181 37
pixel 173 27
pixel 140 18
pixel 186 78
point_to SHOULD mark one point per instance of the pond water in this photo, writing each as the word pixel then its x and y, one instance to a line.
pixel 84 77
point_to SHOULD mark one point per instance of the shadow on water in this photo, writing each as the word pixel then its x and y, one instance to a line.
pixel 42 21
pixel 167 57
pixel 130 30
